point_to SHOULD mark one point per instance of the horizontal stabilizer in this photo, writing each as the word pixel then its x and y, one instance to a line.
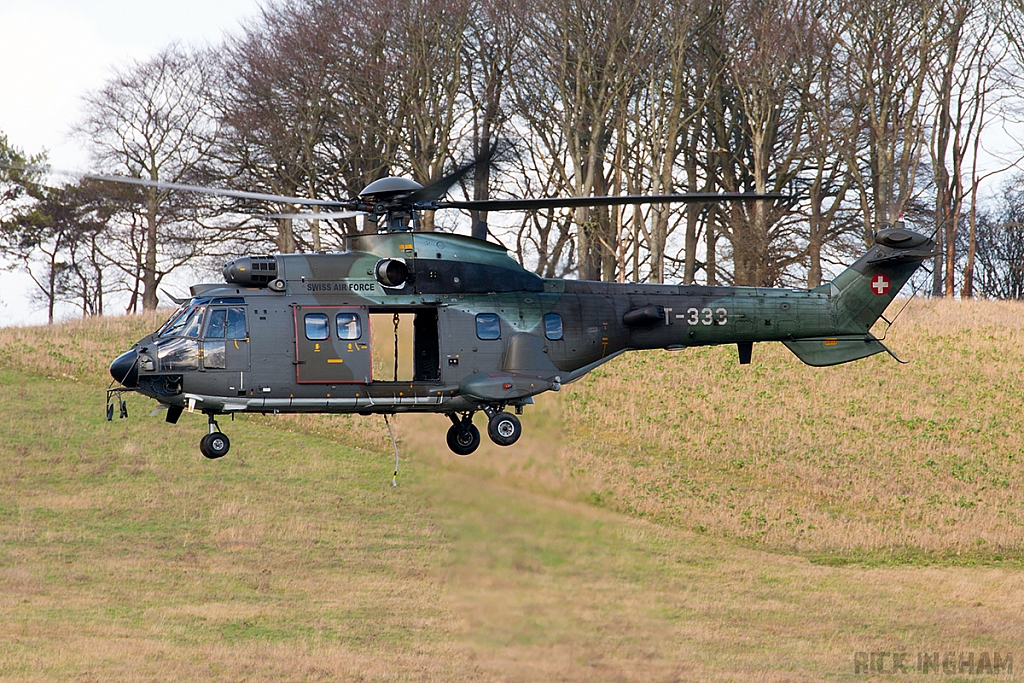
pixel 821 351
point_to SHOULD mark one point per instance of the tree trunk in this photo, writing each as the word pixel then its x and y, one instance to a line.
pixel 285 236
pixel 711 236
pixel 815 239
pixel 149 275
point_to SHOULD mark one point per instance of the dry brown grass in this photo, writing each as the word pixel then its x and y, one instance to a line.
pixel 866 456
pixel 124 555
pixel 554 591
pixel 74 350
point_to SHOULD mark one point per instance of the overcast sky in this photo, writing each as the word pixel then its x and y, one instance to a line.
pixel 54 51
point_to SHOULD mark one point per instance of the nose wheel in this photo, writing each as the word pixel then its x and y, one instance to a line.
pixel 122 405
pixel 215 444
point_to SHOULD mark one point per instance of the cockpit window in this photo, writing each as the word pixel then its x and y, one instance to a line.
pixel 236 324
pixel 175 324
pixel 226 322
pixel 172 320
pixel 221 323
pixel 218 323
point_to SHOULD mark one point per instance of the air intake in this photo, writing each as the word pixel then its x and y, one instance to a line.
pixel 251 271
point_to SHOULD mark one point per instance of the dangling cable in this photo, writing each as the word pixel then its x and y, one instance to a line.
pixel 395 319
pixel 394 477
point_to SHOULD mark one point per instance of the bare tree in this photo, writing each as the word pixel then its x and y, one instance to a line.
pixel 1000 244
pixel 153 120
pixel 545 241
pixel 669 120
pixel 366 144
pixel 832 137
pixel 764 143
pixel 1008 17
pixel 322 97
pixel 962 79
pixel 278 85
pixel 576 74
pixel 430 40
pixel 493 33
pixel 890 50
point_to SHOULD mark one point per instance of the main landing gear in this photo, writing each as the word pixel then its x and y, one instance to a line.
pixel 464 438
pixel 215 444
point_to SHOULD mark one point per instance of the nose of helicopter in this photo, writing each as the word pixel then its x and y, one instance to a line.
pixel 125 368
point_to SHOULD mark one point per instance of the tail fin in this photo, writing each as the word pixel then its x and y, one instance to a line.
pixel 860 295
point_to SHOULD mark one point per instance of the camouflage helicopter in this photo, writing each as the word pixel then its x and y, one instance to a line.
pixel 290 333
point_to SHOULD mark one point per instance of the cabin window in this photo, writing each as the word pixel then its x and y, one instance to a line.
pixel 553 326
pixel 317 327
pixel 348 326
pixel 488 326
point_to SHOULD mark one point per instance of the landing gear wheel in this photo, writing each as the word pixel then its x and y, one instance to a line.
pixel 463 438
pixel 504 429
pixel 215 445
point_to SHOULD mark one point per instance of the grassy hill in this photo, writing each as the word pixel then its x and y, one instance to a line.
pixel 673 516
pixel 873 458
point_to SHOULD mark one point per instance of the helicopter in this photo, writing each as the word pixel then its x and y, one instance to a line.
pixel 290 333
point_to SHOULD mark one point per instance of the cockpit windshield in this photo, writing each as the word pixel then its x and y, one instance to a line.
pixel 185 324
pixel 172 320
pixel 187 321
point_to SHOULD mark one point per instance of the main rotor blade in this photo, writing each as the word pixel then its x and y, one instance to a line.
pixel 613 200
pixel 237 194
pixel 440 187
pixel 311 216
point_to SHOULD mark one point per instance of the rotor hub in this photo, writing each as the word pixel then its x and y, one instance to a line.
pixel 385 188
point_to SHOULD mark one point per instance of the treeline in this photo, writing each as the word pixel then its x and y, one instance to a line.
pixel 858 112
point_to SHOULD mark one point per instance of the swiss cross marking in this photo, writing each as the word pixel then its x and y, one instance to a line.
pixel 880 284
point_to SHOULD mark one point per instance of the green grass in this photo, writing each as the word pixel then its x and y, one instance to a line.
pixel 120 530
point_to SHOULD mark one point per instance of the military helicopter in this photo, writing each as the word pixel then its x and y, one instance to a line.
pixel 290 333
